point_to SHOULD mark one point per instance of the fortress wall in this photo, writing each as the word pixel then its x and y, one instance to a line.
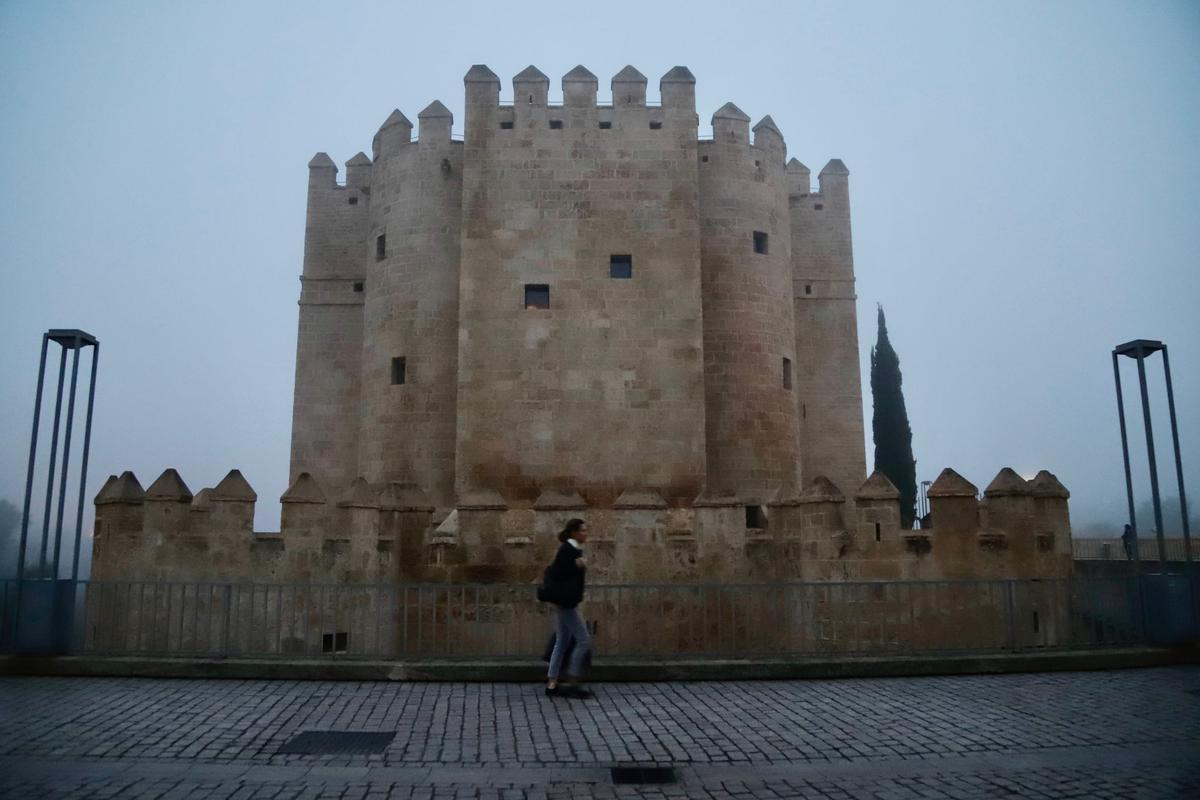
pixel 748 330
pixel 329 342
pixel 603 390
pixel 411 308
pixel 828 382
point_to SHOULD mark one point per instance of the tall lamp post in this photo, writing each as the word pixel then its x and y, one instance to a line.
pixel 1140 350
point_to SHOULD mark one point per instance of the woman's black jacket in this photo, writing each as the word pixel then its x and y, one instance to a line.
pixel 562 583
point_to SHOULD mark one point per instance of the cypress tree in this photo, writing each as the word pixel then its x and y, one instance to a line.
pixel 889 424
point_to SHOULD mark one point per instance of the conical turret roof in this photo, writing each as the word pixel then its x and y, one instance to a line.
pixel 169 486
pixel 951 484
pixel 1007 483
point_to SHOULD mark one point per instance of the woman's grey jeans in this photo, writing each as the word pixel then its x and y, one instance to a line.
pixel 570 626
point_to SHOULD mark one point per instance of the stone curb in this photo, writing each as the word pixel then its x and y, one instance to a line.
pixel 514 670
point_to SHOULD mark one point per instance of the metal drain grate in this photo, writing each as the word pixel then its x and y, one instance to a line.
pixel 644 775
pixel 320 743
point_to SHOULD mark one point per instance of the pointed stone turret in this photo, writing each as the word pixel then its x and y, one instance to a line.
pixel 203 500
pixel 358 172
pixel 233 488
pixel 481 73
pixel 678 90
pixel 482 102
pixel 629 89
pixel 768 136
pixel 559 500
pixel 1007 483
pixel 405 497
pixel 579 88
pixel 878 487
pixel 106 488
pixel 834 180
pixel 799 178
pixel 359 495
pixel 322 172
pixel 822 490
pixel 640 498
pixel 124 489
pixel 731 124
pixel 394 133
pixel 1046 484
pixel 435 120
pixel 950 484
pixel 531 87
pixel 169 487
pixel 304 489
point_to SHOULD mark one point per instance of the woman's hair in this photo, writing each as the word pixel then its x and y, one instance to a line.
pixel 568 532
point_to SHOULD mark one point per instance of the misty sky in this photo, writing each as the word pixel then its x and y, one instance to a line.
pixel 1024 189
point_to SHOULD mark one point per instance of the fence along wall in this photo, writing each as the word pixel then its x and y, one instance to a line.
pixel 390 534
pixel 647 620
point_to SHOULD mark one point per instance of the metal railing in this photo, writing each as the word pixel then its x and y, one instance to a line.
pixel 276 620
pixel 1114 549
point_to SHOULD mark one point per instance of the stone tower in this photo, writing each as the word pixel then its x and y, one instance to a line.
pixel 578 297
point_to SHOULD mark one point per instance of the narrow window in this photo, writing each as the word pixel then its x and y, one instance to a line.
pixel 335 642
pixel 605 126
pixel 358 286
pixel 506 125
pixel 1035 622
pixel 760 243
pixel 757 163
pixel 755 518
pixel 352 201
pixel 537 295
pixel 380 246
pixel 804 411
pixel 704 159
pixel 787 373
pixel 556 124
pixel 620 266
pixel 399 371
pixel 877 531
pixel 808 288
pixel 655 125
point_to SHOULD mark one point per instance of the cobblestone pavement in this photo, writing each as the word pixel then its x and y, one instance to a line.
pixel 1116 734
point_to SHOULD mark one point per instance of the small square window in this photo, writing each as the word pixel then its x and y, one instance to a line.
pixel 704 159
pixel 760 243
pixel 756 519
pixel 605 126
pixel 537 295
pixel 381 247
pixel 352 201
pixel 506 125
pixel 399 371
pixel 620 266
pixel 358 286
pixel 757 163
pixel 655 125
pixel 556 124
pixel 787 373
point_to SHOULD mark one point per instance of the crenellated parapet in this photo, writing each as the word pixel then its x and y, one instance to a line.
pixel 392 533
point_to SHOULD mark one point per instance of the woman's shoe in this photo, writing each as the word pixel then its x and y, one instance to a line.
pixel 553 691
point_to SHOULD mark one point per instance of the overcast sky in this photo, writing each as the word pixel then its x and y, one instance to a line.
pixel 1024 188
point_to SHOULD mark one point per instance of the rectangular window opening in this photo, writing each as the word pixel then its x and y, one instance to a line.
pixel 352 201
pixel 604 126
pixel 556 124
pixel 1035 622
pixel 380 247
pixel 655 125
pixel 760 243
pixel 808 288
pixel 818 206
pixel 358 286
pixel 756 519
pixel 704 159
pixel 399 371
pixel 877 531
pixel 335 642
pixel 787 373
pixel 506 125
pixel 537 295
pixel 620 266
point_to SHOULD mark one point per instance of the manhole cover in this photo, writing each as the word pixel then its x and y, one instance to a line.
pixel 643 775
pixel 319 743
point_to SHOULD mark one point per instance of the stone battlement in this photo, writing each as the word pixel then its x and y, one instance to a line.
pixel 392 533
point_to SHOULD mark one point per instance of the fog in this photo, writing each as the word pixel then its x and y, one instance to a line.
pixel 1023 187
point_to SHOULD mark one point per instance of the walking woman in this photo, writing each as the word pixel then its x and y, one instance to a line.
pixel 564 584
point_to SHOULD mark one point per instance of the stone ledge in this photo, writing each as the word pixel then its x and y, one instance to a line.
pixel 628 669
